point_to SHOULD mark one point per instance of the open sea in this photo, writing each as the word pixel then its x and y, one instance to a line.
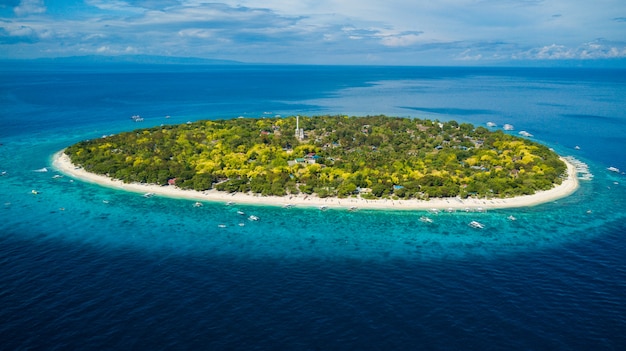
pixel 84 267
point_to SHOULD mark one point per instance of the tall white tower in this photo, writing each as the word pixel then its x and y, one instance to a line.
pixel 299 132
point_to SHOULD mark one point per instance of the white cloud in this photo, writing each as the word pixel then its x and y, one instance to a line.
pixel 197 33
pixel 400 40
pixel 587 51
pixel 20 31
pixel 442 31
pixel 467 55
pixel 27 7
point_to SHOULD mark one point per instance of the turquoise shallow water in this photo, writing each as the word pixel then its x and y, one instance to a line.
pixel 87 265
pixel 74 210
pixel 77 211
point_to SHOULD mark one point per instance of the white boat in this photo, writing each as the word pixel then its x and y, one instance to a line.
pixel 425 219
pixel 253 218
pixel 352 208
pixel 434 211
pixel 241 213
pixel 288 206
pixel 511 218
pixel 42 170
pixel 577 147
pixel 508 127
pixel 323 208
pixel 525 133
pixel 613 169
pixel 491 124
pixel 34 192
pixel 148 195
pixel 582 169
pixel 197 204
pixel 476 225
pixel 222 225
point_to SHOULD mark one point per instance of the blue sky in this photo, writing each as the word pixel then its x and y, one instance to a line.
pixel 394 32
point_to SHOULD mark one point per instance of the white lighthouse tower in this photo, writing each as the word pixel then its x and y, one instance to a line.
pixel 299 131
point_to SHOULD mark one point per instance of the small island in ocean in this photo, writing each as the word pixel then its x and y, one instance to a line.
pixel 371 157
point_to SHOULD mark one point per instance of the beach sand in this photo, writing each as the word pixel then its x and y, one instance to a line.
pixel 569 185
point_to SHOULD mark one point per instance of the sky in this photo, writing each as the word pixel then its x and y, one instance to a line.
pixel 378 32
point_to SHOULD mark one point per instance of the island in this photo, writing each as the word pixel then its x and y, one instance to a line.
pixel 371 162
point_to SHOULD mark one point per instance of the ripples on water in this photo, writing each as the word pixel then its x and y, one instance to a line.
pixel 72 295
pixel 84 267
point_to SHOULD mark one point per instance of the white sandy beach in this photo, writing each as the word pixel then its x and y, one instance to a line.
pixel 63 164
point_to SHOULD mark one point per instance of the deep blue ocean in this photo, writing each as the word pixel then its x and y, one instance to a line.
pixel 84 267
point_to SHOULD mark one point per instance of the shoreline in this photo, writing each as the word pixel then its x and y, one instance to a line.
pixel 62 163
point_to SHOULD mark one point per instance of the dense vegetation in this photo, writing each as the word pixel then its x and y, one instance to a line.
pixel 373 157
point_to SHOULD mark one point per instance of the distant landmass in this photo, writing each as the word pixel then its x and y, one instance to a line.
pixel 128 59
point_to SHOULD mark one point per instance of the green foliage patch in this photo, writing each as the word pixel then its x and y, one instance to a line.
pixel 373 157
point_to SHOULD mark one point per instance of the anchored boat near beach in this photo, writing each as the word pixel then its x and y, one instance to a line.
pixel 613 169
pixel 425 219
pixel 477 225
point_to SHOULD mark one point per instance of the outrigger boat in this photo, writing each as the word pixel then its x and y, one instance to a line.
pixel 476 225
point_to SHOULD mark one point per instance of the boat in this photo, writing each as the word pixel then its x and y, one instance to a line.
pixel 148 195
pixel 352 208
pixel 434 211
pixel 253 218
pixel 241 213
pixel 197 204
pixel 577 147
pixel 425 219
pixel 34 192
pixel 288 206
pixel 41 170
pixel 323 208
pixel 477 225
pixel 511 218
pixel 137 118
pixel 508 127
pixel 525 133
pixel 491 124
pixel 222 225
pixel 230 203
pixel 582 169
pixel 613 169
